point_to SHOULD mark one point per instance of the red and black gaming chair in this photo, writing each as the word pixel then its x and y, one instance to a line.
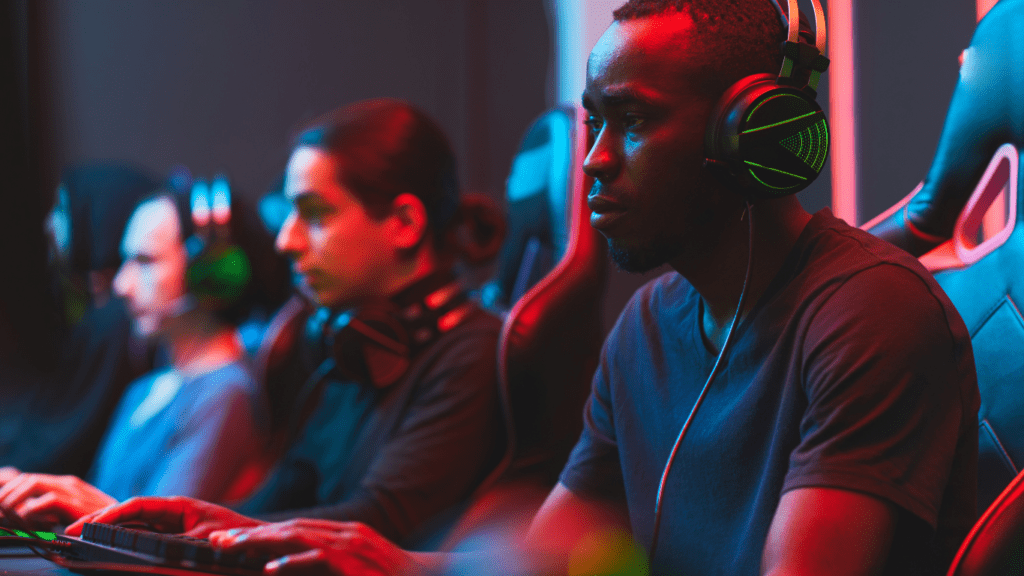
pixel 552 334
pixel 940 222
pixel 995 546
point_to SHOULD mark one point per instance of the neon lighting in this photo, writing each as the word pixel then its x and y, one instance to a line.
pixel 773 170
pixel 778 123
pixel 983 6
pixel 843 110
pixel 807 145
pixel 765 101
pixel 765 184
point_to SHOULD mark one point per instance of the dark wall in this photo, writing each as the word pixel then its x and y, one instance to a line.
pixel 907 68
pixel 223 86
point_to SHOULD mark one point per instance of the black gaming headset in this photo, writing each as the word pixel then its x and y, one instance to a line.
pixel 218 270
pixel 375 343
pixel 767 137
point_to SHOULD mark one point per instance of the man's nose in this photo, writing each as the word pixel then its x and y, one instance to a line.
pixel 290 240
pixel 124 280
pixel 602 162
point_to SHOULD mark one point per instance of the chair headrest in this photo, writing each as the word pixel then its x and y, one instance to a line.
pixel 985 112
pixel 537 191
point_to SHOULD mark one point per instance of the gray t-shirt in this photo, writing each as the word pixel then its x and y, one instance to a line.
pixel 853 371
pixel 187 437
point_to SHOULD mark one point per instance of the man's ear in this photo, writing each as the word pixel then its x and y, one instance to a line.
pixel 408 221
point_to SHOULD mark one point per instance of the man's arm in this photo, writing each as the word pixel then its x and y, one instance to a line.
pixel 829 531
pixel 565 522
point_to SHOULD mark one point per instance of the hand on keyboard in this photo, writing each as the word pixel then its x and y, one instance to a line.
pixel 307 546
pixel 45 499
pixel 174 515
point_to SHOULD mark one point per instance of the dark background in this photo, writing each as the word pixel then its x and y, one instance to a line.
pixel 223 86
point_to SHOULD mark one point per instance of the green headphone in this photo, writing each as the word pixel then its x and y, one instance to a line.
pixel 767 136
pixel 218 270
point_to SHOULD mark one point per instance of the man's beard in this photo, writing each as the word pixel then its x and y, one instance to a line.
pixel 641 259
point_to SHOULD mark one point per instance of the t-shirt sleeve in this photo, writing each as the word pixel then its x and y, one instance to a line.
pixel 883 372
pixel 449 439
pixel 204 455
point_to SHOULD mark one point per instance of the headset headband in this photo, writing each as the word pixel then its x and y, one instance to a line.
pixel 799 55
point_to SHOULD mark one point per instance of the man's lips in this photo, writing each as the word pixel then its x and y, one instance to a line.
pixel 604 205
pixel 605 212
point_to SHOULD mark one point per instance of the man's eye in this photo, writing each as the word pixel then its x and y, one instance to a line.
pixel 314 215
pixel 593 124
pixel 633 121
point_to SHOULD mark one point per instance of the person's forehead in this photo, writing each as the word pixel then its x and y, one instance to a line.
pixel 653 53
pixel 311 171
pixel 153 228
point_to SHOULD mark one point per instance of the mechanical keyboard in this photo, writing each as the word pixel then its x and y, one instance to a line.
pixel 107 544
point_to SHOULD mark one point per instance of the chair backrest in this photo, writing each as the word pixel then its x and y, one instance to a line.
pixel 995 546
pixel 940 222
pixel 538 207
pixel 984 282
pixel 552 334
pixel 986 111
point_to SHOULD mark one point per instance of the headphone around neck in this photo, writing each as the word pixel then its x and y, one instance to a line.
pixel 375 343
pixel 767 136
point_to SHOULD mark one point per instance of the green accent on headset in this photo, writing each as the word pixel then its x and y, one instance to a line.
pixel 774 169
pixel 767 185
pixel 810 145
pixel 779 123
pixel 223 275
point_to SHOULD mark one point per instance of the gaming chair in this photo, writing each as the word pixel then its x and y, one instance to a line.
pixel 986 111
pixel 552 334
pixel 995 546
pixel 940 222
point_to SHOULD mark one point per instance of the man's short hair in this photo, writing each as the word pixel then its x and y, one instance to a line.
pixel 735 38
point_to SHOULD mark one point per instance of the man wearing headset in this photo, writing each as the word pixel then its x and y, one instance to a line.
pixel 839 434
pixel 395 439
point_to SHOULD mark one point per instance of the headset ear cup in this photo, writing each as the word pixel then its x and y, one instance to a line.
pixel 766 140
pixel 219 275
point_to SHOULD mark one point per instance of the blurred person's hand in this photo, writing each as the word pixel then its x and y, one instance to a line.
pixel 8 473
pixel 174 515
pixel 307 546
pixel 45 499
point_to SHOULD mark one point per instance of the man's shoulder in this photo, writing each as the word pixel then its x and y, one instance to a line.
pixel 844 249
pixel 473 339
pixel 478 325
pixel 834 252
pixel 875 282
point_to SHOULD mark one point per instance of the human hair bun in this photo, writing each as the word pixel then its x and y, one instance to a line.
pixel 477 230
